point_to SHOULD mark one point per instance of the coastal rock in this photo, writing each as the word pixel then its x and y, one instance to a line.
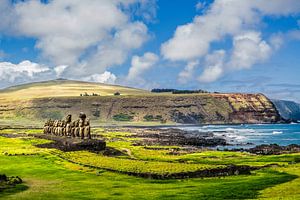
pixel 180 137
pixel 274 149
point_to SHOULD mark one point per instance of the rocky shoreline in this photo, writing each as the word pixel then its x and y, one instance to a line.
pixel 173 137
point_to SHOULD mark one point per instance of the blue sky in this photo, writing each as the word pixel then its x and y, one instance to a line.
pixel 222 45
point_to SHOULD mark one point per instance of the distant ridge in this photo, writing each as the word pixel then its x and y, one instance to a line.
pixel 289 110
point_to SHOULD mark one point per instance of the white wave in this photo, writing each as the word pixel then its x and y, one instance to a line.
pixel 277 132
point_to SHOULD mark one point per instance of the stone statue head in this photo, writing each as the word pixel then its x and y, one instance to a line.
pixel 82 115
pixel 68 118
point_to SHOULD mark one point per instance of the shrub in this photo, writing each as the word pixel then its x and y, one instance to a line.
pixel 122 117
pixel 156 90
pixel 175 91
pixel 153 118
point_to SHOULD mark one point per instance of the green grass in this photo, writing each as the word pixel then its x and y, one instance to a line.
pixel 47 176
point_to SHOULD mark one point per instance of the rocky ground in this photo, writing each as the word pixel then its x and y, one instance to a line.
pixel 274 149
pixel 173 137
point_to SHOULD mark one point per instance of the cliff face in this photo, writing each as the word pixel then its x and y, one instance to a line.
pixel 194 108
pixel 289 110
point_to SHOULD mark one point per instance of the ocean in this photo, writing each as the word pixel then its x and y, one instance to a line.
pixel 250 135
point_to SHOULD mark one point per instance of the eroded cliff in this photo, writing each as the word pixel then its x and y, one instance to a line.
pixel 194 108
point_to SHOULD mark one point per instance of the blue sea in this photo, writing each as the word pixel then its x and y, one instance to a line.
pixel 250 135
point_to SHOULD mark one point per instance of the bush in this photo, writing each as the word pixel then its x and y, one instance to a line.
pixel 122 117
pixel 117 93
pixel 175 91
pixel 156 90
pixel 87 95
pixel 188 91
pixel 153 118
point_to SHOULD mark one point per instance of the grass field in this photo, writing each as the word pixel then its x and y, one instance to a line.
pixel 48 174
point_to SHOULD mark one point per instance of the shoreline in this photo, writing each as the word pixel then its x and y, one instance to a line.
pixel 5 126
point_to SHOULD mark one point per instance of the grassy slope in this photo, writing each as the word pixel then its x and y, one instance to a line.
pixel 47 176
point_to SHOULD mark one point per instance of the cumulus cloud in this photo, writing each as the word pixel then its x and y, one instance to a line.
pixel 214 67
pixel 140 64
pixel 188 72
pixel 114 50
pixel 276 40
pixel 106 77
pixel 248 49
pixel 234 18
pixel 89 36
pixel 25 69
pixel 59 70
pixel 200 5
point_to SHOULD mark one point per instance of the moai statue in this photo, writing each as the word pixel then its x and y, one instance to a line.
pixel 77 129
pixel 59 132
pixel 56 132
pixel 46 127
pixel 72 126
pixel 55 127
pixel 82 118
pixel 51 127
pixel 63 128
pixel 68 125
pixel 87 128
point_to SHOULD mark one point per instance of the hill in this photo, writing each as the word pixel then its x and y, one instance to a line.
pixel 289 110
pixel 55 99
pixel 64 88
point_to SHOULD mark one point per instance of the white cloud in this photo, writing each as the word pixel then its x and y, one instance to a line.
pixel 188 72
pixel 25 69
pixel 114 50
pixel 276 41
pixel 214 67
pixel 200 5
pixel 141 64
pixel 249 49
pixel 192 41
pixel 224 17
pixel 59 70
pixel 88 36
pixel 106 77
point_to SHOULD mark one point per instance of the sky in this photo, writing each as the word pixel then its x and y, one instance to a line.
pixel 249 46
